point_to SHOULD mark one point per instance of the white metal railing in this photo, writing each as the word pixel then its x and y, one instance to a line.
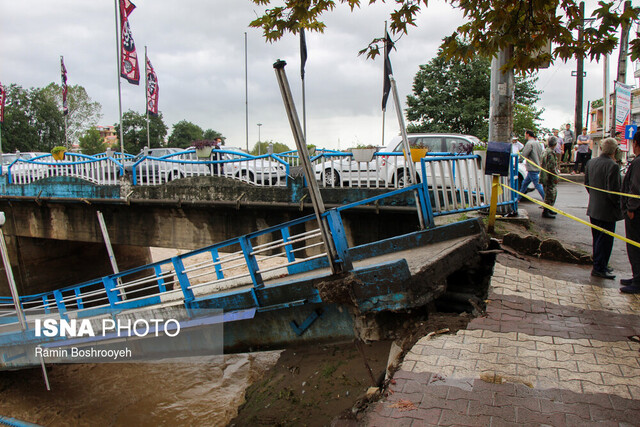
pixel 105 171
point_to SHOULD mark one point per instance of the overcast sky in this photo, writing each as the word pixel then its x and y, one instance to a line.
pixel 197 50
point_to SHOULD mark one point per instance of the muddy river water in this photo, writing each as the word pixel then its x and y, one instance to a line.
pixel 190 391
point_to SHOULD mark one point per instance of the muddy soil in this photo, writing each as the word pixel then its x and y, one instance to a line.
pixel 312 386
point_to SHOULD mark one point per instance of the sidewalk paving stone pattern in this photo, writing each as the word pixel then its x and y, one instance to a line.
pixel 547 352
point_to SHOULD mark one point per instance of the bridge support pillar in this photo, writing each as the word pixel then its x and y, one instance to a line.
pixel 42 265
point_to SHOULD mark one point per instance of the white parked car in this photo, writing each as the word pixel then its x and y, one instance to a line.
pixel 388 167
pixel 261 170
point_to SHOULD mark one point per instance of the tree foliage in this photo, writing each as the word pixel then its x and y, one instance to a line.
pixel 491 26
pixel 83 112
pixel 184 133
pixel 91 142
pixel 262 147
pixel 34 120
pixel 212 134
pixel 451 96
pixel 134 127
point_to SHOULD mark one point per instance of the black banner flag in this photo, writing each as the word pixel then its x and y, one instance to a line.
pixel 303 52
pixel 152 90
pixel 386 85
pixel 63 75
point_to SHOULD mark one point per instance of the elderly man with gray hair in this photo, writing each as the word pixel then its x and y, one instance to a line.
pixel 604 208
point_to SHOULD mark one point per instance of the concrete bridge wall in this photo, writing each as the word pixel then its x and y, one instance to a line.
pixel 44 232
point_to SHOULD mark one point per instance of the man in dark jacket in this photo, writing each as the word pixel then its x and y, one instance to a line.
pixel 604 208
pixel 631 210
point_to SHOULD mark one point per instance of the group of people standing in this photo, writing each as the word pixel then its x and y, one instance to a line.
pixel 611 198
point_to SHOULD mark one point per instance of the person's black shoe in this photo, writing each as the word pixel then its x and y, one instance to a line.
pixel 602 274
pixel 546 214
pixel 626 282
pixel 631 289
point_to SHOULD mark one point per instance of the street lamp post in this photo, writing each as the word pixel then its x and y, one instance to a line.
pixel 259 147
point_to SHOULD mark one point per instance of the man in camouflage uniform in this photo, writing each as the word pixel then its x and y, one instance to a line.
pixel 549 162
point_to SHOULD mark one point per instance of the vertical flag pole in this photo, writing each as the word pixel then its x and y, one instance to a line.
pixel 303 60
pixel 246 92
pixel 146 93
pixel 384 109
pixel 118 39
pixel 65 112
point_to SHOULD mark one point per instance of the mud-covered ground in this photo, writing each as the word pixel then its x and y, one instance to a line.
pixel 311 386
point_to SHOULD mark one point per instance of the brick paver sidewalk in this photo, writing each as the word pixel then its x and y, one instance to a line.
pixel 548 352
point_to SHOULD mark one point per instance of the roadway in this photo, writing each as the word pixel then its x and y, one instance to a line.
pixel 573 199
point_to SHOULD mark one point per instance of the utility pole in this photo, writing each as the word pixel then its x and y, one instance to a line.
pixel 501 104
pixel 579 77
pixel 624 47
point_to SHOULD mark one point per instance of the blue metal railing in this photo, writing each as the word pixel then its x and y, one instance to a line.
pixel 241 261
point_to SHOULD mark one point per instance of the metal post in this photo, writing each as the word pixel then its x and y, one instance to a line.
pixel 118 38
pixel 107 242
pixel 146 94
pixel 605 97
pixel 579 79
pixel 44 372
pixel 314 191
pixel 259 147
pixel 384 110
pixel 407 149
pixel 12 283
pixel 246 92
pixel 495 187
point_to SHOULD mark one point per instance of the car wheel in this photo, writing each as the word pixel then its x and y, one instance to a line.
pixel 247 176
pixel 330 178
pixel 402 179
pixel 174 175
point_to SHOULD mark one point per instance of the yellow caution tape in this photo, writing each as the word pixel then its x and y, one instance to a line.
pixel 632 196
pixel 551 208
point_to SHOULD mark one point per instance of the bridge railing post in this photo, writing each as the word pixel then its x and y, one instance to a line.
pixel 252 263
pixel 178 266
pixel 288 249
pixel 339 239
pixel 215 256
pixel 425 198
pixel 110 286
pixel 62 309
pixel 161 285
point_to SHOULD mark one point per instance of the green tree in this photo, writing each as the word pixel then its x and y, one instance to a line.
pixel 263 147
pixel 134 127
pixel 452 96
pixel 211 134
pixel 184 133
pixel 32 121
pixel 83 112
pixel 491 25
pixel 525 117
pixel 91 142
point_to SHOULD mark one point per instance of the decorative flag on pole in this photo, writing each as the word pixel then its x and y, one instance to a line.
pixel 2 96
pixel 152 90
pixel 386 85
pixel 129 68
pixel 63 74
pixel 303 52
